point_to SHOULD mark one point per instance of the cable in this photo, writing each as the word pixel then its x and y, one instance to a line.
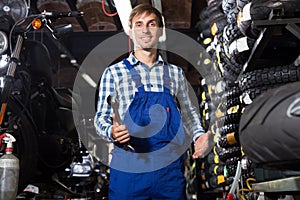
pixel 14 26
pixel 106 13
pixel 248 184
pixel 241 190
pixel 249 189
pixel 230 195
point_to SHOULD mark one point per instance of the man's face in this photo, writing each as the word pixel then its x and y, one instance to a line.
pixel 145 31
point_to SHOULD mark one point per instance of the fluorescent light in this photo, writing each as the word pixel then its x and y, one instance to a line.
pixel 124 8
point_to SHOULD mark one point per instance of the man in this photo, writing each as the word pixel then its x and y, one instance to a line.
pixel 146 88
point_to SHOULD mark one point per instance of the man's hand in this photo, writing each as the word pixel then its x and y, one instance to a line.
pixel 119 132
pixel 203 145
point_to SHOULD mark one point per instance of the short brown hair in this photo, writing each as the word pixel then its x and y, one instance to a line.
pixel 145 8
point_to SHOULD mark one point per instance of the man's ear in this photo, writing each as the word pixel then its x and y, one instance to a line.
pixel 161 31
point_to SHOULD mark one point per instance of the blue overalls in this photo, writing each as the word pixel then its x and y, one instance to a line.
pixel 155 169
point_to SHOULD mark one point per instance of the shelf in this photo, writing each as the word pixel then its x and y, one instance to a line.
pixel 277 45
pixel 290 184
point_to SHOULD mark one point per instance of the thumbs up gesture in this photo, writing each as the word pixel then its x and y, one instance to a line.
pixel 119 132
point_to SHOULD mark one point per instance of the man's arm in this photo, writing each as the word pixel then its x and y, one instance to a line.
pixel 103 118
pixel 203 142
pixel 189 112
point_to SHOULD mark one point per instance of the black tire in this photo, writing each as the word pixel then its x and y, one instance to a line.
pixel 203 25
pixel 231 32
pixel 218 25
pixel 270 76
pixel 229 128
pixel 233 118
pixel 232 161
pixel 253 93
pixel 203 14
pixel 232 92
pixel 215 6
pixel 205 34
pixel 230 153
pixel 232 15
pixel 204 28
pixel 228 103
pixel 26 146
pixel 216 16
pixel 215 69
pixel 231 85
pixel 229 74
pixel 231 169
pixel 231 66
pixel 224 143
pixel 269 127
pixel 228 5
pixel 229 63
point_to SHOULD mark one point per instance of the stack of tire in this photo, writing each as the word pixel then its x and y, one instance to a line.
pixel 225 108
pixel 236 122
pixel 205 103
pixel 269 127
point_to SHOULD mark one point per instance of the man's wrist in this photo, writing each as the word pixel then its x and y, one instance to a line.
pixel 110 135
pixel 197 135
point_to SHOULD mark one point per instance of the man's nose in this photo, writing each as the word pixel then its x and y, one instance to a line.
pixel 145 29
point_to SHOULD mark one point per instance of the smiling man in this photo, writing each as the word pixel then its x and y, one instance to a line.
pixel 145 30
pixel 147 88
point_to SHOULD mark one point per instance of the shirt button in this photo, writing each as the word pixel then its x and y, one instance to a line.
pixel 151 85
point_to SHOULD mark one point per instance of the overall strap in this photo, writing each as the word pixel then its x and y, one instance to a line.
pixel 166 78
pixel 135 76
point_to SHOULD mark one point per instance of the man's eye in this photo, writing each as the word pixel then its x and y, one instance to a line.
pixel 152 24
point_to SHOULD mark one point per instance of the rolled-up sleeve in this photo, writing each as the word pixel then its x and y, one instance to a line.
pixel 102 120
pixel 190 114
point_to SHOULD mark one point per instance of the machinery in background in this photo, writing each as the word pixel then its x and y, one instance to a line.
pixel 40 116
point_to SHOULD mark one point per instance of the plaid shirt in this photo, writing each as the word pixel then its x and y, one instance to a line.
pixel 117 79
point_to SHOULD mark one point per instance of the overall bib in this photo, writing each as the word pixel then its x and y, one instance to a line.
pixel 153 121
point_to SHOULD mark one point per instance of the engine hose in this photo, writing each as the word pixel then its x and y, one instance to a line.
pixel 230 195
